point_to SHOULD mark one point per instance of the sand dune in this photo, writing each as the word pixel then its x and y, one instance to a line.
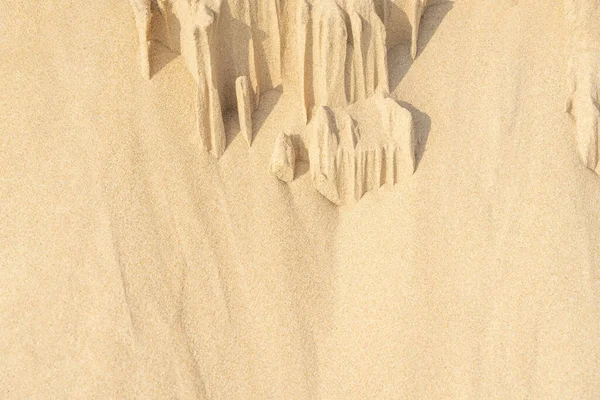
pixel 135 264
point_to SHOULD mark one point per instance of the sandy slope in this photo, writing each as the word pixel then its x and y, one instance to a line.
pixel 134 266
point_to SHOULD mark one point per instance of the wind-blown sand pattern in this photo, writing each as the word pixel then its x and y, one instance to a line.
pixel 134 264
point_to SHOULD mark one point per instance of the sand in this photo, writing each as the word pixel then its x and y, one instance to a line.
pixel 135 265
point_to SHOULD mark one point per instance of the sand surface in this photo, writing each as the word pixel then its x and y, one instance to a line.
pixel 133 265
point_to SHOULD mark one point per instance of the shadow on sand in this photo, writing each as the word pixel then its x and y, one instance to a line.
pixel 422 125
pixel 399 56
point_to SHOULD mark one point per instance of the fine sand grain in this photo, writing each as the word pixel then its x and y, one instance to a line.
pixel 135 265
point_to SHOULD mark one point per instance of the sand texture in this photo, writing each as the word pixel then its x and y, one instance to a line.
pixel 299 199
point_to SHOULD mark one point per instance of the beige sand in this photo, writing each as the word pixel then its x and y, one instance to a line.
pixel 134 265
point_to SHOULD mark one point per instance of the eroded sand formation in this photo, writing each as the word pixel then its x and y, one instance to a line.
pixel 341 45
pixel 351 150
pixel 583 18
pixel 234 51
